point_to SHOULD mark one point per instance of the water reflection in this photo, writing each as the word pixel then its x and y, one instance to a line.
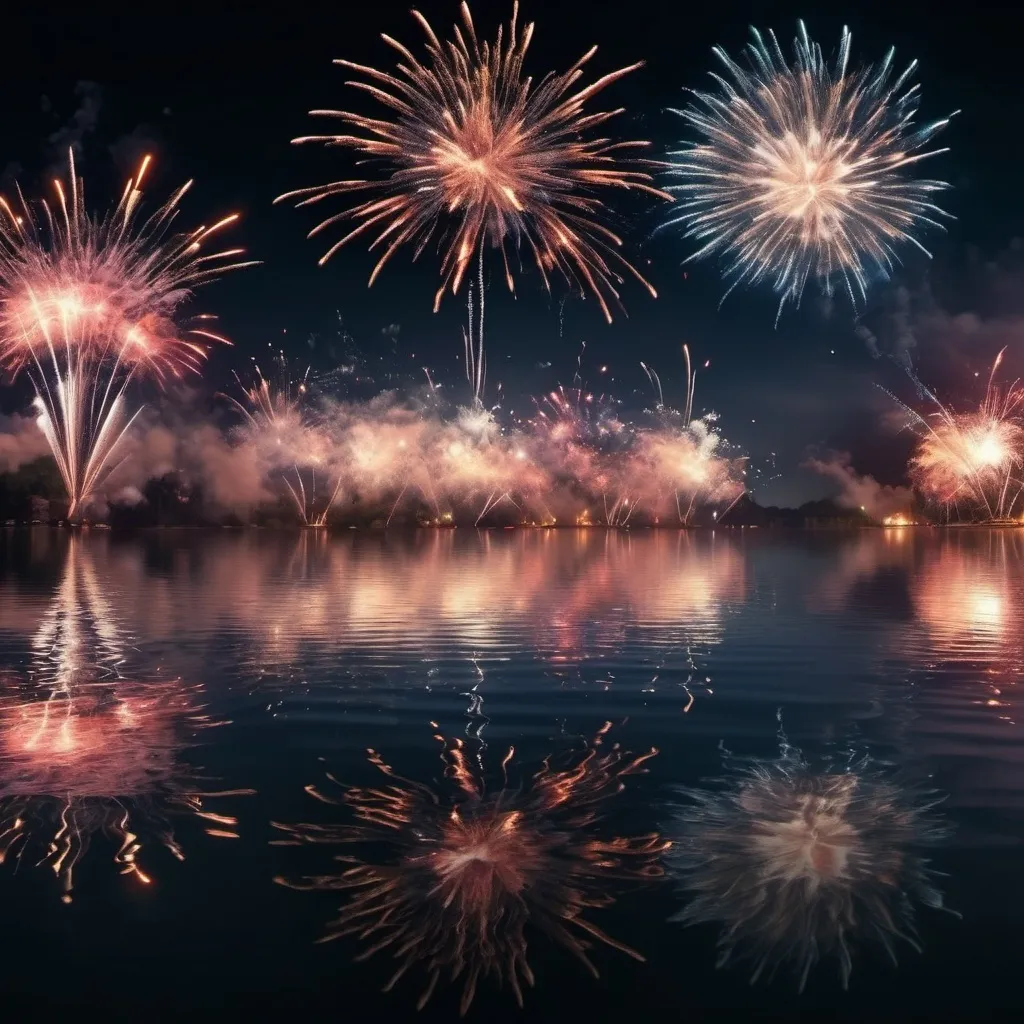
pixel 797 865
pixel 85 752
pixel 468 871
pixel 565 598
pixel 966 596
pixel 960 595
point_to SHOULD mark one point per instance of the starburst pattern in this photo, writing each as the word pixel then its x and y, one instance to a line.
pixel 475 154
pixel 470 871
pixel 803 170
pixel 798 865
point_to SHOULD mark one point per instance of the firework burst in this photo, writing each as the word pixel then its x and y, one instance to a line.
pixel 805 171
pixel 476 154
pixel 797 865
pixel 277 426
pixel 469 871
pixel 971 463
pixel 685 457
pixel 86 302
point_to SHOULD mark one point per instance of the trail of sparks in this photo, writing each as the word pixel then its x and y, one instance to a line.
pixel 277 424
pixel 476 154
pixel 88 302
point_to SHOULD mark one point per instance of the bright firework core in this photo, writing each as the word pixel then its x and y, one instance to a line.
pixel 972 463
pixel 470 871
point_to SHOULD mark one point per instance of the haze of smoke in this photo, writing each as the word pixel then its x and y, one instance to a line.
pixel 21 441
pixel 861 491
pixel 425 459
pixel 81 123
pixel 198 452
pixel 980 306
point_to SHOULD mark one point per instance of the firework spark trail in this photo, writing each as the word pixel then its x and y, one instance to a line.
pixel 471 871
pixel 576 458
pixel 85 752
pixel 475 154
pixel 973 462
pixel 797 865
pixel 87 302
pixel 685 455
pixel 277 425
pixel 801 170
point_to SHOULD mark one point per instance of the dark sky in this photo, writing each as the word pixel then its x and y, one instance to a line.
pixel 217 90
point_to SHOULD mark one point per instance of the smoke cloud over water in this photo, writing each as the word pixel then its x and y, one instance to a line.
pixel 860 490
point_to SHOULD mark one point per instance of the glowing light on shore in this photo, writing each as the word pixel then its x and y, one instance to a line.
pixel 898 519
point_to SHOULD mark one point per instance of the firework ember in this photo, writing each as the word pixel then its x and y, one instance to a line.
pixel 476 154
pixel 471 871
pixel 86 302
pixel 804 171
pixel 797 866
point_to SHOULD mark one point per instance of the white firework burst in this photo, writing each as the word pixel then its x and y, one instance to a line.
pixel 804 170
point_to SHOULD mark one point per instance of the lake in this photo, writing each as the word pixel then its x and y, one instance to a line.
pixel 844 705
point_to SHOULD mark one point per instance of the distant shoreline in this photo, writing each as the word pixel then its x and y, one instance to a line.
pixel 407 528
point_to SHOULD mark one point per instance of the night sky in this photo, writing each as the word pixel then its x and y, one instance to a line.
pixel 216 91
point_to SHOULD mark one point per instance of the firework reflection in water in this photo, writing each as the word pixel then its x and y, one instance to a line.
pixel 469 871
pixel 103 760
pixel 83 751
pixel 796 865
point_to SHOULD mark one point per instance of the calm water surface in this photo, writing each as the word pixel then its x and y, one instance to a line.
pixel 136 671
